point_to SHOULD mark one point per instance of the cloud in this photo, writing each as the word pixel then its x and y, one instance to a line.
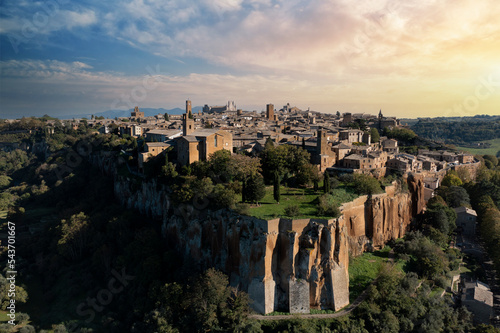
pixel 318 38
pixel 55 87
pixel 43 19
pixel 340 38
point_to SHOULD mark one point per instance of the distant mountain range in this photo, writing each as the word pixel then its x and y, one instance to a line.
pixel 148 112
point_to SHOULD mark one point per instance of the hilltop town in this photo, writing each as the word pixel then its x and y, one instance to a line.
pixel 337 142
pixel 285 203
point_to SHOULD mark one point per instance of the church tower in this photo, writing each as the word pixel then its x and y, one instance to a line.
pixel 322 143
pixel 187 120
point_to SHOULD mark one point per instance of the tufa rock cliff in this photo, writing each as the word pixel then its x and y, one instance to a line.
pixel 290 265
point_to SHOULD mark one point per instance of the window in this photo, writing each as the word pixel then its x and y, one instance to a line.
pixel 215 140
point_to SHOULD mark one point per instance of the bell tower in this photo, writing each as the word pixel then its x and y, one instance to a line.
pixel 187 120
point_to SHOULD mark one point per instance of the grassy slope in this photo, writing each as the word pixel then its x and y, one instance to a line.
pixel 3 316
pixel 495 147
pixel 304 198
pixel 364 269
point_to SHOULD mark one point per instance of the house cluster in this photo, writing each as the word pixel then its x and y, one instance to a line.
pixel 331 139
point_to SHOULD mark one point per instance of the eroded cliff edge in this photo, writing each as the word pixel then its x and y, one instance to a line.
pixel 290 265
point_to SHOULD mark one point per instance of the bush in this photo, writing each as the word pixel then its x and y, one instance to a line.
pixel 27 329
pixel 441 282
pixel 292 211
pixel 4 181
pixel 364 184
pixel 224 197
pixel 242 208
pixel 22 317
pixel 327 206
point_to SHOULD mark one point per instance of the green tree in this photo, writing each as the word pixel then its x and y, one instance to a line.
pixel 75 236
pixel 492 159
pixel 306 173
pixel 219 162
pixel 326 182
pixel 451 179
pixel 365 184
pixel 483 328
pixel 255 188
pixel 241 166
pixel 167 118
pixel 374 134
pixel 20 297
pixel 224 197
pixel 455 196
pixel 214 306
pixel 277 187
pixel 202 187
pixel 400 134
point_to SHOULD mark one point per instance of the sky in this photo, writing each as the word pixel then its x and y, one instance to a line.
pixel 411 59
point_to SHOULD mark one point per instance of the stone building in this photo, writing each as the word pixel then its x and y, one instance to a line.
pixel 390 146
pixel 325 156
pixel 351 136
pixel 478 299
pixel 270 111
pixel 136 113
pixel 341 150
pixel 405 163
pixel 151 149
pixel 466 220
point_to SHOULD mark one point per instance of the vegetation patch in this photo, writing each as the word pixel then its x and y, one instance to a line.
pixel 493 147
pixel 365 268
pixel 305 198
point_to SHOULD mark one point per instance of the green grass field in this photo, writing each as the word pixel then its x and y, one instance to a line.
pixel 436 292
pixel 365 268
pixel 3 316
pixel 304 198
pixel 495 147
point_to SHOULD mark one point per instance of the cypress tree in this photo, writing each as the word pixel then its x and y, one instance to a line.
pixel 277 189
pixel 326 182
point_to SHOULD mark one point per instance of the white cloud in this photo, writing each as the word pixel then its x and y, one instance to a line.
pixel 42 21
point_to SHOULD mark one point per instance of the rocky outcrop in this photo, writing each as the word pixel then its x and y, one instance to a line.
pixel 374 220
pixel 284 264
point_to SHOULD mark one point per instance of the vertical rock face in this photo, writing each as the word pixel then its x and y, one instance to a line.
pixel 374 220
pixel 288 265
